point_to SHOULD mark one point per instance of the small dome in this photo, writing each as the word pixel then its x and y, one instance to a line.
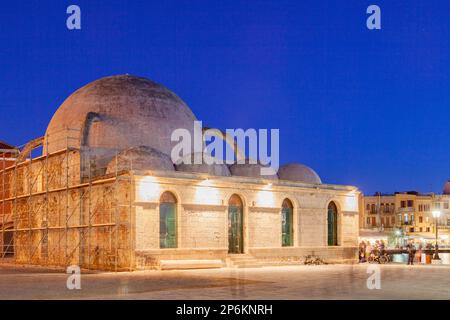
pixel 188 164
pixel 447 188
pixel 140 158
pixel 250 170
pixel 298 172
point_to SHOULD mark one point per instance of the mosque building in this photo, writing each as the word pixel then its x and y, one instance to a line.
pixel 105 194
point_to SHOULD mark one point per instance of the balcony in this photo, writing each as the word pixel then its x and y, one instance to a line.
pixel 381 212
pixel 406 210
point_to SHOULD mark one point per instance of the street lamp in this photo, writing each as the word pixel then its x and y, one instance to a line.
pixel 398 234
pixel 436 215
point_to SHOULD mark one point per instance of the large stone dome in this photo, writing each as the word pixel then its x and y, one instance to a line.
pixel 116 113
pixel 298 172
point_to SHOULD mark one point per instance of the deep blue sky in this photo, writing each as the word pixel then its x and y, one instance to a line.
pixel 367 108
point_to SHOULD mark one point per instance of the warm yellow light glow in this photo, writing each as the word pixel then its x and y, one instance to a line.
pixel 436 214
pixel 268 186
pixel 265 197
pixel 350 202
pixel 148 189
pixel 206 193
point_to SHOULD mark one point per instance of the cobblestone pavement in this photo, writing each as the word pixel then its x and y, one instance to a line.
pixel 293 282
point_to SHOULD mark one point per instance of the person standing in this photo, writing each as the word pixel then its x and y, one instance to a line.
pixel 419 254
pixel 368 249
pixel 362 252
pixel 382 247
pixel 411 253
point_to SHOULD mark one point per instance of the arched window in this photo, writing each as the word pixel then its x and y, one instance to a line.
pixel 235 225
pixel 168 221
pixel 287 223
pixel 332 224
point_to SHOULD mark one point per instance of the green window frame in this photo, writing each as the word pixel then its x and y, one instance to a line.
pixel 332 224
pixel 168 221
pixel 287 224
pixel 235 225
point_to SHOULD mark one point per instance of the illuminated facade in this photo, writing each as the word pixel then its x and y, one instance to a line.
pixel 410 212
pixel 105 194
pixel 216 216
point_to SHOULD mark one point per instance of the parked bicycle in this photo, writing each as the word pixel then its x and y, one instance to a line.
pixel 376 257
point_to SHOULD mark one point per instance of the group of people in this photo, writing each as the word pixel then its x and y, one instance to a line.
pixel 414 253
pixel 411 249
pixel 367 249
pixel 378 249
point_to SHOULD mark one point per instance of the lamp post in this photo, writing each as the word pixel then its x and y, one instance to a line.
pixel 436 215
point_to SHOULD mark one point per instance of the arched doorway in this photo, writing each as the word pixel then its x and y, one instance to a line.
pixel 287 223
pixel 235 225
pixel 332 224
pixel 168 221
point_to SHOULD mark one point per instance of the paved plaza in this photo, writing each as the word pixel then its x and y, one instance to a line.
pixel 290 282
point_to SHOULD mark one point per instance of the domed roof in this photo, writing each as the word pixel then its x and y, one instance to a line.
pixel 250 170
pixel 446 188
pixel 140 158
pixel 118 112
pixel 188 164
pixel 298 172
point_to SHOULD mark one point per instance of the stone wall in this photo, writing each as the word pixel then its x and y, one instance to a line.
pixel 202 217
pixel 264 226
pixel 203 227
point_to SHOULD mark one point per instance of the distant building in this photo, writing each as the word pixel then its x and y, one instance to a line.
pixel 409 212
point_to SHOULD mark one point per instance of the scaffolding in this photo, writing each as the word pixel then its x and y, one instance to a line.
pixel 63 208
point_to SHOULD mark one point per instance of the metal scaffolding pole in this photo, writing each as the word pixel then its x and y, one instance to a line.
pixel 67 202
pixel 46 199
pixel 116 212
pixel 3 252
pixel 28 206
pixel 89 215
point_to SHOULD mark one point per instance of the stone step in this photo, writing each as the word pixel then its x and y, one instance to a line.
pixel 243 261
pixel 247 265
pixel 237 259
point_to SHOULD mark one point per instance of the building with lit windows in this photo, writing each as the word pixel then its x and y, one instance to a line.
pixel 105 194
pixel 408 212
